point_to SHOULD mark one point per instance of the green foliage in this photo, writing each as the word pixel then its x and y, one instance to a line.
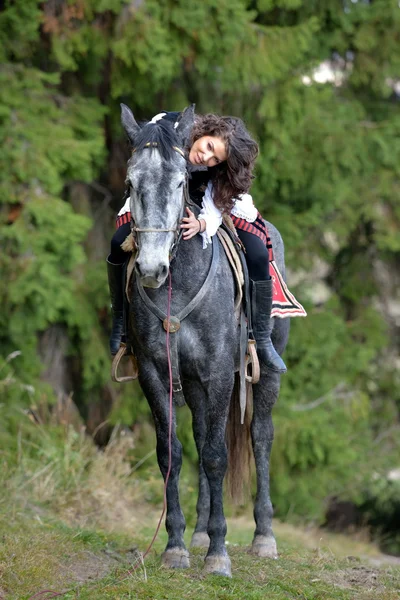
pixel 42 240
pixel 312 448
pixel 156 40
pixel 317 415
pixel 381 505
pixel 15 397
pixel 18 16
pixel 42 251
pixel 324 338
pixel 31 160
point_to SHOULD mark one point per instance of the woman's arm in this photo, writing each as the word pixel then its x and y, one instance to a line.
pixel 208 221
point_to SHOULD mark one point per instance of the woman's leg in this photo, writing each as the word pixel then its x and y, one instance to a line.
pixel 115 269
pixel 117 256
pixel 257 255
pixel 257 259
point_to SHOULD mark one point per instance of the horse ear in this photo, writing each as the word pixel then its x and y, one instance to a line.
pixel 184 124
pixel 129 123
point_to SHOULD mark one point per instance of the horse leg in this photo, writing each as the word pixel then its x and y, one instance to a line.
pixel 214 459
pixel 200 537
pixel 195 399
pixel 262 432
pixel 175 554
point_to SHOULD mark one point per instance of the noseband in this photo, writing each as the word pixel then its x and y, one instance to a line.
pixel 176 230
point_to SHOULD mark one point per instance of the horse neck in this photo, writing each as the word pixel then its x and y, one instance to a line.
pixel 190 267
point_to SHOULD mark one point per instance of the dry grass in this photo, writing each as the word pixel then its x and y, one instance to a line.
pixel 80 483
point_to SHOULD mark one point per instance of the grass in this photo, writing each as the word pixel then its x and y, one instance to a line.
pixel 39 551
pixel 50 555
pixel 72 520
pixel 34 553
pixel 294 575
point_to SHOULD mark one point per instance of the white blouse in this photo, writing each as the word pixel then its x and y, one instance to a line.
pixel 243 208
pixel 126 207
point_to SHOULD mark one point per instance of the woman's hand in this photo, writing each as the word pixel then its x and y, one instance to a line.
pixel 190 224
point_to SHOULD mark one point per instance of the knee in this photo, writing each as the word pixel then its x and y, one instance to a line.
pixel 258 266
pixel 117 254
pixel 163 454
pixel 214 460
pixel 262 428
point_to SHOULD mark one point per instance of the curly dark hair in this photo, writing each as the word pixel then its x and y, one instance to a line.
pixel 233 176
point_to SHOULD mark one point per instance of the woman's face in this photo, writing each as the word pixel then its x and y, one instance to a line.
pixel 208 151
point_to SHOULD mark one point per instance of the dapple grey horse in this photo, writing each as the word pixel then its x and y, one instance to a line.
pixel 207 347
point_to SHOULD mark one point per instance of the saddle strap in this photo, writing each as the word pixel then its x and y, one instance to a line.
pixel 129 270
pixel 242 366
pixel 235 262
pixel 177 391
pixel 227 221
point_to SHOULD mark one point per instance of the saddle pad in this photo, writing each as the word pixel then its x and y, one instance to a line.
pixel 284 304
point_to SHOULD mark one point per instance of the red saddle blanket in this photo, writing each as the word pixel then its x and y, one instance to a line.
pixel 284 304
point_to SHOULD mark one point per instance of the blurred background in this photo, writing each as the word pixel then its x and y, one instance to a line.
pixel 318 85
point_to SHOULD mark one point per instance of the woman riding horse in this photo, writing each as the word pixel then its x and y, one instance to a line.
pixel 221 159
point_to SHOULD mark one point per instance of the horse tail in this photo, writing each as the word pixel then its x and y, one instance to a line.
pixel 238 441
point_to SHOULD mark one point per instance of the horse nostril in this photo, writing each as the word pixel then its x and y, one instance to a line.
pixel 163 272
pixel 139 272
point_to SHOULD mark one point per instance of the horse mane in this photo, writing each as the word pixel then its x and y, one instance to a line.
pixel 161 134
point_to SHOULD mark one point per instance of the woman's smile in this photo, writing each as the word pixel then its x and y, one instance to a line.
pixel 208 150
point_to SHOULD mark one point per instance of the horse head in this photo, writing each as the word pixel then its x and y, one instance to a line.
pixel 156 177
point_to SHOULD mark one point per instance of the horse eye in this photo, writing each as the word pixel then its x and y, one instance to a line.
pixel 180 185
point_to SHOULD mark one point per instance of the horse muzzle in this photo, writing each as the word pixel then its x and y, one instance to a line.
pixel 152 277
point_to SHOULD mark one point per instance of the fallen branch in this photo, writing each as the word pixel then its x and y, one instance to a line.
pixel 338 393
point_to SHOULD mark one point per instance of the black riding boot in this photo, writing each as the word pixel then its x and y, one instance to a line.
pixel 116 284
pixel 262 325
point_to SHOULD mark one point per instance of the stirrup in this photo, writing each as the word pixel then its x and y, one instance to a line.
pixel 252 359
pixel 115 364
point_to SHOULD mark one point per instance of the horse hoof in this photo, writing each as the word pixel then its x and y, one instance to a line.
pixel 264 546
pixel 217 565
pixel 200 539
pixel 175 558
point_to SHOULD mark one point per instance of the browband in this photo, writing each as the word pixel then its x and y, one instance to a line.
pixel 155 144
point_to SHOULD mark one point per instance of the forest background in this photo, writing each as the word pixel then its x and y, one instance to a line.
pixel 318 84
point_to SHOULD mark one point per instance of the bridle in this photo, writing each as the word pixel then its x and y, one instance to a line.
pixel 177 229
